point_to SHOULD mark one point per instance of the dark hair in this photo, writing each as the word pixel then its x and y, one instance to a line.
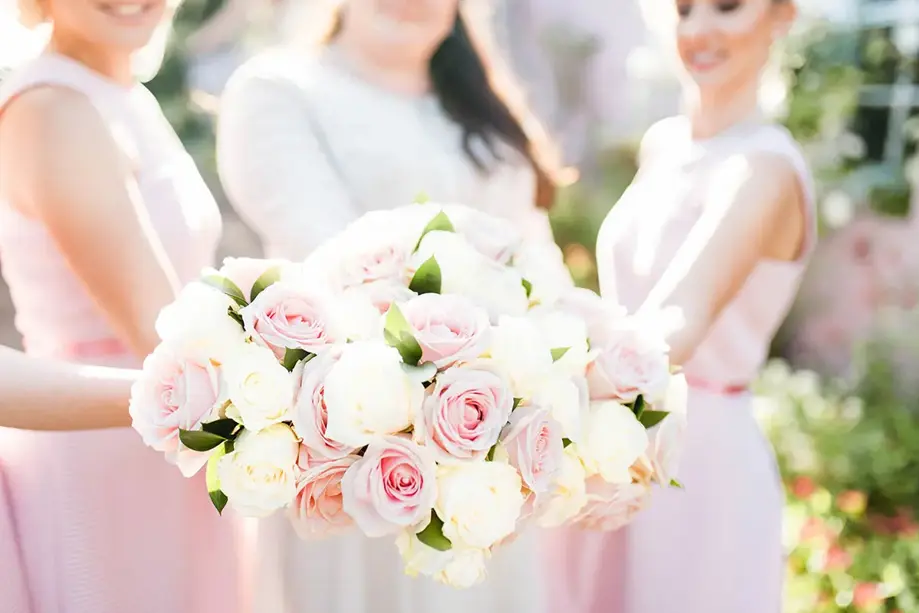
pixel 470 96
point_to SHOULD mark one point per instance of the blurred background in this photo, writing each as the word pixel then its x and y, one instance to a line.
pixel 841 399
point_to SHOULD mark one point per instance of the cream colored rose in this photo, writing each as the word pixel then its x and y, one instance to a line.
pixel 568 398
pixel 568 493
pixel 479 502
pixel 457 568
pixel 613 440
pixel 368 394
pixel 260 475
pixel 198 325
pixel 522 356
pixel 260 390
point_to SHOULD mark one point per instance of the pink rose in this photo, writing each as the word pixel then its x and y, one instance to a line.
pixel 465 413
pixel 285 317
pixel 310 415
pixel 533 442
pixel 392 487
pixel 449 328
pixel 318 508
pixel 612 506
pixel 172 394
pixel 633 361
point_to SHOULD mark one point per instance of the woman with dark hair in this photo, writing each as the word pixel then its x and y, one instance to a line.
pixel 391 99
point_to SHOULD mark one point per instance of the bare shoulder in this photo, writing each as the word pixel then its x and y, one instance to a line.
pixel 767 177
pixel 53 121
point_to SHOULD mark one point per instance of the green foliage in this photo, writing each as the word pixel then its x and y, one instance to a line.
pixel 849 456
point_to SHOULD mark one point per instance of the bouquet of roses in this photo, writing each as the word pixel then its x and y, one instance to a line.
pixel 425 375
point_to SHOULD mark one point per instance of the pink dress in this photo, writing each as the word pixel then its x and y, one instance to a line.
pixel 715 546
pixel 95 522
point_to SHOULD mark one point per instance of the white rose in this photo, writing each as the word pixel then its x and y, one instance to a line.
pixel 568 399
pixel 244 272
pixel 368 393
pixel 466 271
pixel 457 568
pixel 198 325
pixel 520 353
pixel 541 263
pixel 563 331
pixel 613 440
pixel 260 389
pixel 496 238
pixel 568 494
pixel 600 315
pixel 479 502
pixel 668 438
pixel 260 475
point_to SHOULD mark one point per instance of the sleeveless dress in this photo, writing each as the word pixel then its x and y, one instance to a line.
pixel 95 522
pixel 715 546
pixel 305 147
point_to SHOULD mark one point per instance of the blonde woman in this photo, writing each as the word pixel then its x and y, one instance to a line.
pixel 398 98
pixel 103 216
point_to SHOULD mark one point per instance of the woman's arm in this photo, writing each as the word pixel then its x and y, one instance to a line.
pixel 755 210
pixel 274 169
pixel 46 395
pixel 60 163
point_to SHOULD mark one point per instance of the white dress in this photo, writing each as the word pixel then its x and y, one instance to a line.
pixel 305 147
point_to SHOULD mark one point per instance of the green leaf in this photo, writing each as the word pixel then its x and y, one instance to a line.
pixel 559 352
pixel 292 356
pixel 226 286
pixel 266 280
pixel 235 316
pixel 398 334
pixel 490 456
pixel 527 286
pixel 675 483
pixel 218 498
pixel 433 535
pixel 517 402
pixel 421 198
pixel 566 442
pixel 438 223
pixel 221 427
pixel 649 419
pixel 199 440
pixel 638 407
pixel 427 278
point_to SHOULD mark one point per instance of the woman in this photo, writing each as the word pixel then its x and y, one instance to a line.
pixel 398 100
pixel 42 395
pixel 719 224
pixel 102 217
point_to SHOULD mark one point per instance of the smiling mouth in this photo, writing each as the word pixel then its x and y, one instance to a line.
pixel 126 10
pixel 706 61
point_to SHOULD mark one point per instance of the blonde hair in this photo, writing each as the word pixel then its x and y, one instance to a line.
pixel 146 61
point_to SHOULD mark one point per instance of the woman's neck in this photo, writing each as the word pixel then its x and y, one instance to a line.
pixel 399 74
pixel 112 65
pixel 710 115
